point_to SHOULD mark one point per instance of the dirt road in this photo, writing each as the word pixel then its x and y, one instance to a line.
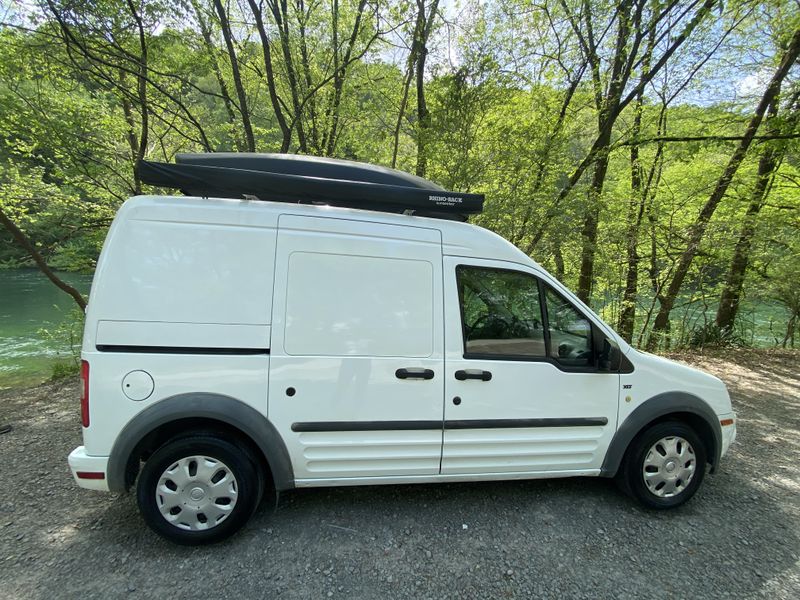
pixel 578 538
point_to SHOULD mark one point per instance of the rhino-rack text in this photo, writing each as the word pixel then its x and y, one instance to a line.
pixel 444 200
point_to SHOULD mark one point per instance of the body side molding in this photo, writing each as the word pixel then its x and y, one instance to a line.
pixel 318 426
pixel 650 410
pixel 321 426
pixel 180 350
pixel 525 423
pixel 208 406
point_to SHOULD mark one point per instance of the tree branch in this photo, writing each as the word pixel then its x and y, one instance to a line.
pixel 23 241
pixel 706 138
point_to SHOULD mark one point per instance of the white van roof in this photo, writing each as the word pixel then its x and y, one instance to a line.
pixel 458 239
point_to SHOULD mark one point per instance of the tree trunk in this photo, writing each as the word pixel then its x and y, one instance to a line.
pixel 791 326
pixel 589 231
pixel 305 65
pixel 286 131
pixel 697 231
pixel 409 75
pixel 133 140
pixel 636 205
pixel 423 115
pixel 340 73
pixel 731 293
pixel 770 159
pixel 23 241
pixel 627 314
pixel 237 76
pixel 558 259
pixel 141 88
pixel 607 112
pixel 205 33
pixel 279 11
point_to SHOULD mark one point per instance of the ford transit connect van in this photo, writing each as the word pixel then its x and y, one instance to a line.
pixel 326 323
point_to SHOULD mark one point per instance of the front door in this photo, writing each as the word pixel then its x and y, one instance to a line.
pixel 522 393
pixel 357 357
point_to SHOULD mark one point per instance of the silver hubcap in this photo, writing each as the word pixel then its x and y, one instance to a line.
pixel 197 493
pixel 669 466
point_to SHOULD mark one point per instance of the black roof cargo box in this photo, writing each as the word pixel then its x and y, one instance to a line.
pixel 309 180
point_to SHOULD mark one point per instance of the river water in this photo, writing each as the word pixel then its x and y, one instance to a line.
pixel 29 302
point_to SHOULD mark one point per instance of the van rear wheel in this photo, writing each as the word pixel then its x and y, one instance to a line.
pixel 198 490
pixel 664 466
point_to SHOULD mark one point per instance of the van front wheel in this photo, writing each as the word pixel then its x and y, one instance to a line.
pixel 198 490
pixel 665 465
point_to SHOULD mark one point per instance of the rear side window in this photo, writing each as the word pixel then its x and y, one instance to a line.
pixel 500 312
pixel 341 305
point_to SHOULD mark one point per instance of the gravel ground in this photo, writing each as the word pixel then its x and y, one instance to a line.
pixel 574 538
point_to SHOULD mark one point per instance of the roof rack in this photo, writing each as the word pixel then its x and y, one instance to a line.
pixel 309 180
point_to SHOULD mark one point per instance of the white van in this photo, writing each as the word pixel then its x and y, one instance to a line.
pixel 236 348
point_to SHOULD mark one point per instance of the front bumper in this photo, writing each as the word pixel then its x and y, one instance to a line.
pixel 90 472
pixel 728 432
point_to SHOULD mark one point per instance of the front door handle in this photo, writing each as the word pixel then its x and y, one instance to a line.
pixel 407 373
pixel 473 374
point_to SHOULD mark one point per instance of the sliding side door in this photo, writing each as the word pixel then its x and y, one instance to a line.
pixel 357 362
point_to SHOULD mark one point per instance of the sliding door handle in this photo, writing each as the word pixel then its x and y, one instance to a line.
pixel 413 373
pixel 473 374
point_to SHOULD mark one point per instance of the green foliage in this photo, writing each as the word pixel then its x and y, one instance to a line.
pixel 513 113
pixel 65 370
pixel 66 338
pixel 713 336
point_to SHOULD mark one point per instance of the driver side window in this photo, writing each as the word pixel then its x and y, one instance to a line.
pixel 502 317
pixel 500 311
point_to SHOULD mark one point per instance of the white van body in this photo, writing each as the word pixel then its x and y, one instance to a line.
pixel 332 341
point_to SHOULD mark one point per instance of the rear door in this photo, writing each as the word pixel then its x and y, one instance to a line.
pixel 357 358
pixel 523 394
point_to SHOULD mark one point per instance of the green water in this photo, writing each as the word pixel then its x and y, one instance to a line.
pixel 29 302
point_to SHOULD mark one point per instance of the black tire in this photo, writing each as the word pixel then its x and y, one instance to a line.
pixel 189 524
pixel 667 486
